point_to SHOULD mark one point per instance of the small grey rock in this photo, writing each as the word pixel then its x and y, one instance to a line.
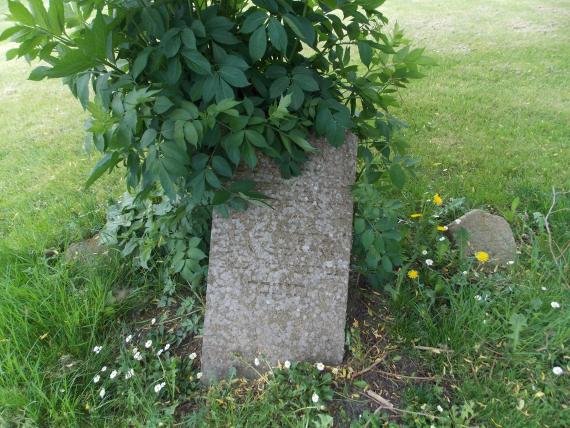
pixel 485 232
pixel 87 250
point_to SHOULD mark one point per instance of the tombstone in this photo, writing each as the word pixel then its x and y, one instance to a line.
pixel 278 278
pixel 485 232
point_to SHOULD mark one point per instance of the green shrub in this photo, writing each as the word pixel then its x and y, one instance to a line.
pixel 181 93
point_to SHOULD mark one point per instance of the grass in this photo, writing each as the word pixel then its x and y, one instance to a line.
pixel 490 123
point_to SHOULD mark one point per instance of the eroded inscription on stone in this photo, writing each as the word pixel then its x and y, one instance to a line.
pixel 278 278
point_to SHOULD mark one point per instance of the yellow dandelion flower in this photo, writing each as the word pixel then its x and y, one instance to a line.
pixel 413 274
pixel 442 228
pixel 416 215
pixel 437 199
pixel 482 256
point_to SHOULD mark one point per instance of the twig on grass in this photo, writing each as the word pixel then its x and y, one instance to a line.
pixel 367 369
pixel 396 375
pixel 387 405
pixel 434 350
pixel 551 241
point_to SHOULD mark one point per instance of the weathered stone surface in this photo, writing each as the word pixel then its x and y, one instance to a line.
pixel 87 250
pixel 278 278
pixel 486 232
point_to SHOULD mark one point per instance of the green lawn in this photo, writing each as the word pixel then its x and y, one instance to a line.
pixel 490 123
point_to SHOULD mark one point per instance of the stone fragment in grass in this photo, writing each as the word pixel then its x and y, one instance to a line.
pixel 479 230
pixel 88 250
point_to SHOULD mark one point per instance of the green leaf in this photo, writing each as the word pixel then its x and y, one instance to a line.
pixel 257 44
pixel 279 86
pixel 82 88
pixel 212 179
pixel 365 52
pixel 196 253
pixel 231 144
pixel 387 263
pixel 253 21
pixel 39 73
pixel 109 160
pixel 372 258
pixel 18 12
pixel 191 134
pixel 173 71
pixel 397 175
pixel 302 142
pixel 324 120
pixel 359 226
pixel 140 62
pixel 148 137
pixel 171 46
pixel 221 166
pixel 277 35
pixel 162 104
pixel 234 76
pixel 56 16
pixel 249 157
pixel 221 197
pixel 367 238
pixel 9 32
pixel 197 62
pixel 255 138
pixel 179 132
pixel 188 38
pixel 73 62
pixel 306 82
pixel 301 27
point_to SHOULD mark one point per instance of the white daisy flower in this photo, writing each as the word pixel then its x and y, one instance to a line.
pixel 315 398
pixel 159 386
pixel 439 408
pixel 153 321
pixel 148 343
pixel 511 262
pixel 458 221
pixel 97 349
pixel 543 288
pixel 256 361
pixel 167 347
pixel 159 352
pixel 96 378
pixel 429 262
pixel 287 364
pixel 129 338
pixel 113 374
pixel 104 368
pixel 129 374
pixel 424 253
pixel 138 356
pixel 320 366
pixel 464 272
pixel 193 356
pixel 478 298
pixel 442 238
pixel 557 371
pixel 555 305
pixel 102 392
pixel 198 375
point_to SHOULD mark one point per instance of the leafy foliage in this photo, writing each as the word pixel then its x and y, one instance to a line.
pixel 182 93
pixel 158 232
